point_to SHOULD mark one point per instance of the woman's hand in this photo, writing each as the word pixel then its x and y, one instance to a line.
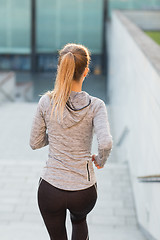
pixel 95 163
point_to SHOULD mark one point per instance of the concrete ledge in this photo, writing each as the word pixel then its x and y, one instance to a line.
pixel 146 20
pixel 145 43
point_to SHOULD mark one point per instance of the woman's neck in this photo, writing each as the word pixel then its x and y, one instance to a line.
pixel 76 89
pixel 77 86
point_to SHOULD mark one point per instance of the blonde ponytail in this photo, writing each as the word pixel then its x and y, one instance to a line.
pixel 63 83
pixel 73 59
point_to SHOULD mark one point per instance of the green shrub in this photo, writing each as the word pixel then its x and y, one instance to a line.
pixel 155 35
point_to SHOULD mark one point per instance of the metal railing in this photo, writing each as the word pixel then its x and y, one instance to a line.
pixel 4 80
pixel 150 178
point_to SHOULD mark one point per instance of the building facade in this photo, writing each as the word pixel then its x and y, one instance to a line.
pixel 32 31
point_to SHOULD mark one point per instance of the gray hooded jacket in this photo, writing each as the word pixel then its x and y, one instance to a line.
pixel 69 165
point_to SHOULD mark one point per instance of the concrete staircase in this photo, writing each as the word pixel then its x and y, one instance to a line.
pixel 115 197
pixel 114 216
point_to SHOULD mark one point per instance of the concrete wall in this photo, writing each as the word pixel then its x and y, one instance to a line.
pixel 134 93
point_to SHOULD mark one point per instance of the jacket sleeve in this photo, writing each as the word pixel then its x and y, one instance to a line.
pixel 38 135
pixel 102 131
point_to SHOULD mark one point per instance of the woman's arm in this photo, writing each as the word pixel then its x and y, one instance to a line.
pixel 104 137
pixel 38 135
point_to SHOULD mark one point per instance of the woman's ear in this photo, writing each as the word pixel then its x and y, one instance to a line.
pixel 86 71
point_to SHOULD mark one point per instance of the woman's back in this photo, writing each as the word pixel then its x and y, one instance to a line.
pixel 69 165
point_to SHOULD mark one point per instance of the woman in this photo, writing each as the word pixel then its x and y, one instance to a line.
pixel 70 116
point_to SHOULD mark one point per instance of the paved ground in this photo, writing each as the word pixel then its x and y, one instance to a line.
pixel 114 216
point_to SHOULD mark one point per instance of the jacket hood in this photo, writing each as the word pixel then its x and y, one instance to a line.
pixel 75 109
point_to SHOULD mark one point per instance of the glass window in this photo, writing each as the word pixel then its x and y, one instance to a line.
pixel 92 22
pixel 15 26
pixel 63 21
pixel 47 28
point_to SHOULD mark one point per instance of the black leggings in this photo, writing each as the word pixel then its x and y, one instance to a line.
pixel 53 203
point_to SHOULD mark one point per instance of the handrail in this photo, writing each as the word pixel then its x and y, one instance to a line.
pixel 4 80
pixel 7 95
pixel 149 178
pixel 27 86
